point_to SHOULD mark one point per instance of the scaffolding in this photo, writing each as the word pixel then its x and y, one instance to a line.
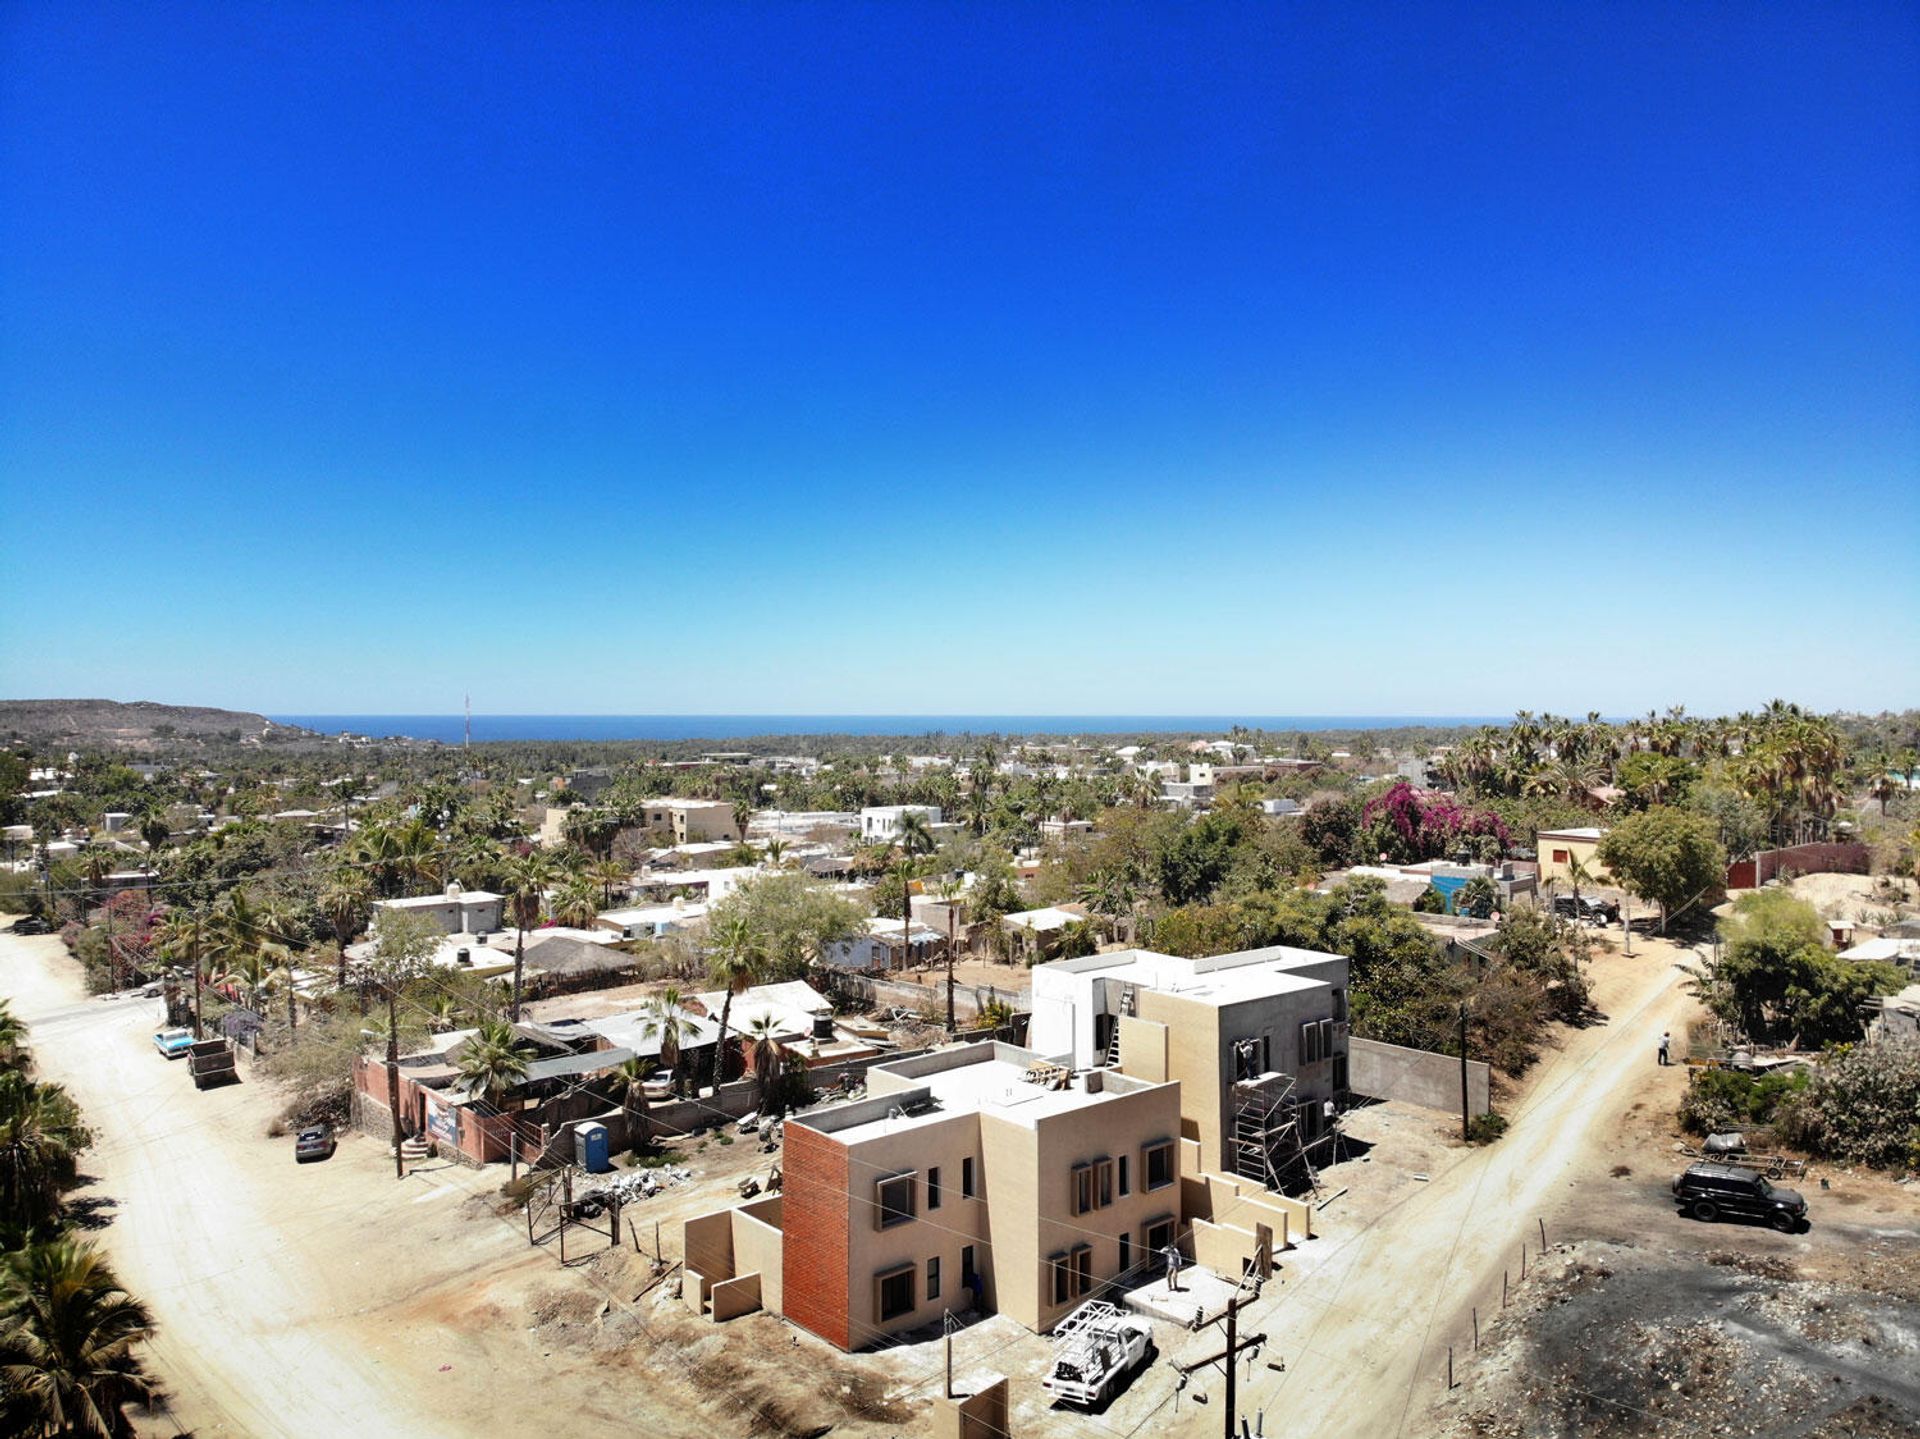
pixel 1267 1142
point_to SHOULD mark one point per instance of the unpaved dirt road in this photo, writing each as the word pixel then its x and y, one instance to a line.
pixel 1363 1319
pixel 248 1263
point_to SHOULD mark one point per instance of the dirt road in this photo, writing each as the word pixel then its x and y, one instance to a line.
pixel 248 1263
pixel 1363 1320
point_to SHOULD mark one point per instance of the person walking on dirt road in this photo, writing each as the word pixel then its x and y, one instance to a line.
pixel 1666 1045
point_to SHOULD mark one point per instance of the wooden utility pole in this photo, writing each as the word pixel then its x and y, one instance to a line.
pixel 1233 1361
pixel 1466 1120
pixel 393 1077
pixel 950 1024
pixel 199 1026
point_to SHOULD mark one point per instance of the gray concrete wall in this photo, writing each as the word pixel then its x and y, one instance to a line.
pixel 1416 1076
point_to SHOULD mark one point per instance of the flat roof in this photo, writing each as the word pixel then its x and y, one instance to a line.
pixel 1586 833
pixel 985 1079
pixel 1215 979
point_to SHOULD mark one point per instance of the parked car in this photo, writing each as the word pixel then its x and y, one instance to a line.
pixel 316 1141
pixel 1707 1191
pixel 173 1043
pixel 1587 907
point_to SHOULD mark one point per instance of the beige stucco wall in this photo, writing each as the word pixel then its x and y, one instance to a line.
pixel 1587 851
pixel 1143 1049
pixel 1122 1124
pixel 1193 1058
pixel 707 1255
pixel 942 1232
pixel 982 1414
pixel 734 1297
pixel 757 1247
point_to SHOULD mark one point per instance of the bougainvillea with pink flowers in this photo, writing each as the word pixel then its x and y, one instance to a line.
pixel 1415 824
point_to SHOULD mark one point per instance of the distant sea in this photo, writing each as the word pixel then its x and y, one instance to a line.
pixel 450 729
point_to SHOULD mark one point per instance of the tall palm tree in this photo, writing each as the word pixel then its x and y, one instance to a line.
pixel 344 898
pixel 914 837
pixel 41 1139
pixel 668 1019
pixel 610 874
pixel 68 1332
pixel 736 958
pixel 633 1075
pixel 525 878
pixel 769 1061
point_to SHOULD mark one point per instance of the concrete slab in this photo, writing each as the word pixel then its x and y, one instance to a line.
pixel 1200 1289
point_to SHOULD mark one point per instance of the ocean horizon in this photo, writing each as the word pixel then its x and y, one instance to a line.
pixel 451 729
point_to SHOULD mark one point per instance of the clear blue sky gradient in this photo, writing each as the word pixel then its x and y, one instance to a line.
pixel 907 358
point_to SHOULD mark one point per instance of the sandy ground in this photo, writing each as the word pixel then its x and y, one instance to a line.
pixel 1856 896
pixel 1364 1314
pixel 330 1298
pixel 1647 1322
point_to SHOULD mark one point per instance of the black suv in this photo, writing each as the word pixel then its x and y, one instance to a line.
pixel 1706 1191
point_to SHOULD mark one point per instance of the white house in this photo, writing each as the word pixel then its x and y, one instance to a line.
pixel 880 823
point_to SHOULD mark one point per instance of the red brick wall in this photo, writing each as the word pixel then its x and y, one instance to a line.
pixel 813 1224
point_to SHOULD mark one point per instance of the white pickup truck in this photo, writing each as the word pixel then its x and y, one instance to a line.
pixel 1095 1350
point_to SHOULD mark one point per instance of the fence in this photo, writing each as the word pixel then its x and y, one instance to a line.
pixel 1830 858
pixel 871 991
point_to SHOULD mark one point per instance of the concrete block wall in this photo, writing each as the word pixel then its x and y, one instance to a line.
pixel 1415 1076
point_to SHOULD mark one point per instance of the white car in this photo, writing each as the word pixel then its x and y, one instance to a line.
pixel 173 1043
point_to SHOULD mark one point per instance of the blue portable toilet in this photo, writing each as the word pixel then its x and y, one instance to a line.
pixel 590 1146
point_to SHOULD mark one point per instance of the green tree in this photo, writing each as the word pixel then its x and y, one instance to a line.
pixel 632 1075
pixel 523 886
pixel 41 1140
pixel 668 1019
pixel 403 947
pixel 68 1334
pixel 492 1062
pixel 735 962
pixel 1776 981
pixel 1667 857
pixel 796 919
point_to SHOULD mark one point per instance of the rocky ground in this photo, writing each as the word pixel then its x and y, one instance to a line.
pixel 1610 1339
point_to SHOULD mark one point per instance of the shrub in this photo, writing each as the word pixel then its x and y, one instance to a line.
pixel 1862 1105
pixel 1485 1128
pixel 1722 1099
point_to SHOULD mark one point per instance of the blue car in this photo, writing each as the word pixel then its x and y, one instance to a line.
pixel 173 1043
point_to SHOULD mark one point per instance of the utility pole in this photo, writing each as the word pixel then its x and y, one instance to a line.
pixel 1233 1360
pixel 1466 1120
pixel 393 1080
pixel 199 1026
pixel 950 1024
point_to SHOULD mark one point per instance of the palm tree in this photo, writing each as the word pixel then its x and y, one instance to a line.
pixel 769 1060
pixel 154 830
pixel 668 1018
pixel 493 1062
pixel 343 900
pixel 13 1038
pixel 913 835
pixel 776 854
pixel 41 1139
pixel 525 876
pixel 736 958
pixel 633 1075
pixel 610 874
pixel 575 903
pixel 67 1337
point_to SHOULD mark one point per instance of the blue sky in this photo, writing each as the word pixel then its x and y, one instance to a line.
pixel 933 358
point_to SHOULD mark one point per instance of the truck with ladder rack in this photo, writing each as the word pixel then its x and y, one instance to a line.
pixel 1095 1350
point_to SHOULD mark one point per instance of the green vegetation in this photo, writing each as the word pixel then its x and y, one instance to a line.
pixel 1776 982
pixel 1666 857
pixel 69 1334
pixel 1719 1100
